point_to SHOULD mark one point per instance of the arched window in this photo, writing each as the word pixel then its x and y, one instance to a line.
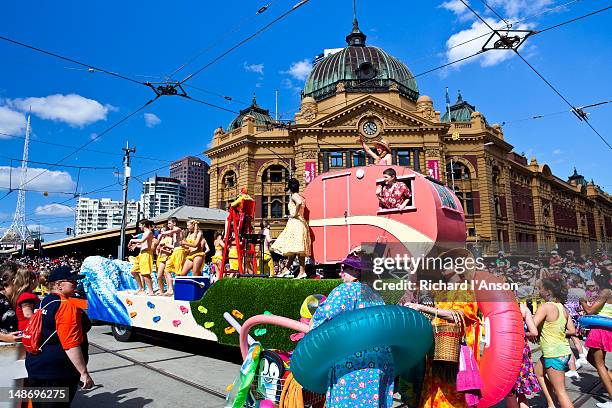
pixel 229 179
pixel 459 171
pixel 229 189
pixel 274 199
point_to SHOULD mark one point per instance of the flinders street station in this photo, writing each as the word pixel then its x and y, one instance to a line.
pixel 511 203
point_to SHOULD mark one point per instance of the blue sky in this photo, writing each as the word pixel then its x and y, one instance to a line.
pixel 147 40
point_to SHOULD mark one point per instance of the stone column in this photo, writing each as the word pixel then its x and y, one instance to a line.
pixel 487 226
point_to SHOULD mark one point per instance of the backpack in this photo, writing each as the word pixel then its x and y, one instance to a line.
pixel 32 333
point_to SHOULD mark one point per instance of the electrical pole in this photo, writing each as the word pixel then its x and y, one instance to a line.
pixel 126 177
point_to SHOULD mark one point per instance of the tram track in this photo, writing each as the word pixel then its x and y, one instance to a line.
pixel 147 366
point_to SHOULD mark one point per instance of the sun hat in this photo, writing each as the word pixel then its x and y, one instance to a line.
pixel 384 144
pixel 355 266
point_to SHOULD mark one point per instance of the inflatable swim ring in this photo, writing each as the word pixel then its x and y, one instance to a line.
pixel 503 353
pixel 595 322
pixel 406 331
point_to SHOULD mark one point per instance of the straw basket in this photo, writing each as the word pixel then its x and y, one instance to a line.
pixel 447 339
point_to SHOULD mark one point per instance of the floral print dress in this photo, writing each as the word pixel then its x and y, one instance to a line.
pixel 365 378
pixel 393 196
pixel 527 382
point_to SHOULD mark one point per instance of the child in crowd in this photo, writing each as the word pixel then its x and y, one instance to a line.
pixel 592 292
pixel 527 382
pixel 43 285
pixel 554 324
pixel 143 264
pixel 24 299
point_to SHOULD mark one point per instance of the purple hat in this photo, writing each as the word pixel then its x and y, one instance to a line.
pixel 355 263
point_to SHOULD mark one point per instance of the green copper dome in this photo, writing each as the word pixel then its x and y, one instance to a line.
pixel 461 111
pixel 262 116
pixel 360 68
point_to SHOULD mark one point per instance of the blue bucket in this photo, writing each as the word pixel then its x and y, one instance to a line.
pixel 190 288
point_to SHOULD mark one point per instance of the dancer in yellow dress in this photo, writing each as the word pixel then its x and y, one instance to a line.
pixel 174 262
pixel 143 264
pixel 197 247
pixel 295 238
pixel 217 258
pixel 163 249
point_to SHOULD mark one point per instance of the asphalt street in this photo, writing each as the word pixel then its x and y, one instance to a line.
pixel 170 371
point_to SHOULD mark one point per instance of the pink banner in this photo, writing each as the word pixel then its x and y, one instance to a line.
pixel 433 169
pixel 310 171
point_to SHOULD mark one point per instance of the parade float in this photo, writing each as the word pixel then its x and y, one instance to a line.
pixel 343 215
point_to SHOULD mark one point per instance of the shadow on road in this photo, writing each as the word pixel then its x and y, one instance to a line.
pixel 191 345
pixel 110 399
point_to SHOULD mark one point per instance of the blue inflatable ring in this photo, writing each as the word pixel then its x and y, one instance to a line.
pixel 595 322
pixel 406 331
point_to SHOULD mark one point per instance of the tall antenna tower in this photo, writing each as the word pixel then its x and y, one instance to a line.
pixel 18 232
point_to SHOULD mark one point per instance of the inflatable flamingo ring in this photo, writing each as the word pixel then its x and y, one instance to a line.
pixel 501 359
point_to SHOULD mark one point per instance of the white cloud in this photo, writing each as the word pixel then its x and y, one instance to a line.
pixel 57 210
pixel 557 151
pixel 257 68
pixel 72 109
pixel 514 9
pixel 50 181
pixel 300 69
pixel 458 8
pixel 11 122
pixel 151 120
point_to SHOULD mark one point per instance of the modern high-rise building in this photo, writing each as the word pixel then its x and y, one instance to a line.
pixel 193 174
pixel 160 195
pixel 96 214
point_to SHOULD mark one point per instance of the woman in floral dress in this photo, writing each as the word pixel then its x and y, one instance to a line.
pixel 527 382
pixel 364 379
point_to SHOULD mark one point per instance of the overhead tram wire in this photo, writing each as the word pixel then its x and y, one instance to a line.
pixel 574 109
pixel 488 33
pixel 219 39
pixel 508 25
pixel 93 139
pixel 76 147
pixel 89 66
pixel 573 20
pixel 209 104
pixel 226 97
pixel 65 165
pixel 244 41
pixel 544 115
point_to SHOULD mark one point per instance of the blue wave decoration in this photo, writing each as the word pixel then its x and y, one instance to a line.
pixel 104 278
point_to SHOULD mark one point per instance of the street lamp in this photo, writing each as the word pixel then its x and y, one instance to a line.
pixel 453 164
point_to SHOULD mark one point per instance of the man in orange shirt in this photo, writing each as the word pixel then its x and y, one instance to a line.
pixel 62 361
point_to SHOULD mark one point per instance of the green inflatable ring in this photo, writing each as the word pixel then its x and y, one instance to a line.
pixel 406 331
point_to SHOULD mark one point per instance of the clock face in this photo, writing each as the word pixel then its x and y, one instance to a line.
pixel 370 128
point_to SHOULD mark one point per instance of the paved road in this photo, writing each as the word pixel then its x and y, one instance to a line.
pixel 180 372
pixel 157 372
